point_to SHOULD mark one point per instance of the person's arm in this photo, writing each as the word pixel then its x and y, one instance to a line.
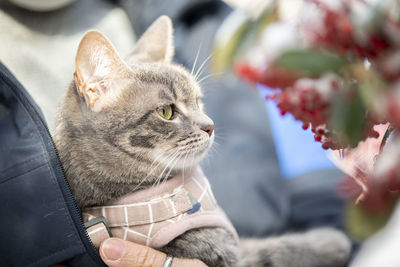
pixel 119 253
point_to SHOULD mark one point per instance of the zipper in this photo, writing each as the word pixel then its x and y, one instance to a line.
pixel 73 208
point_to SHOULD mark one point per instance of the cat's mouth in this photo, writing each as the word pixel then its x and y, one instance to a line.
pixel 184 157
pixel 193 155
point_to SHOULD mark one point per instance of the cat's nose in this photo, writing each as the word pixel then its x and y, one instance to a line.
pixel 203 122
pixel 208 129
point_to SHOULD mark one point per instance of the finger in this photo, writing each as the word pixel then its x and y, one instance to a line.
pixel 119 253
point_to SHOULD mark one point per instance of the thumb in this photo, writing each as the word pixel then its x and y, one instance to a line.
pixel 120 253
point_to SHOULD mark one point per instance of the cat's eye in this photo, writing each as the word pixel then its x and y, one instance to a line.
pixel 166 112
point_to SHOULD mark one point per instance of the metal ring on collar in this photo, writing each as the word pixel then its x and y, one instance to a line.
pixel 168 261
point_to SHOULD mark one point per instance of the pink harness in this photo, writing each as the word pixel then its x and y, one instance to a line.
pixel 157 215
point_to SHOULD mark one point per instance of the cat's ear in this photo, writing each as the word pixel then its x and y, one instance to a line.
pixel 100 72
pixel 156 43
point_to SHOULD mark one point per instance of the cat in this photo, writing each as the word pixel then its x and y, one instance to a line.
pixel 121 122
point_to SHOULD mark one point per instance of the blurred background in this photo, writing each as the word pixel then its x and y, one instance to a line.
pixel 268 174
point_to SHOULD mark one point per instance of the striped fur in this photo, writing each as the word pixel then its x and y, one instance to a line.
pixel 129 143
pixel 112 141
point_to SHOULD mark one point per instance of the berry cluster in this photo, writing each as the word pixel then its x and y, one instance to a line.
pixel 309 93
pixel 340 34
pixel 308 99
pixel 338 71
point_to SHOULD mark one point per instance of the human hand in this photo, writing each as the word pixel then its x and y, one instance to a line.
pixel 119 253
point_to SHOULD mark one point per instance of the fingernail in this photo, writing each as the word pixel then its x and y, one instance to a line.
pixel 113 249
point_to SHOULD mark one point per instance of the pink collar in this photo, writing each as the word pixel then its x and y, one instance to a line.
pixel 156 215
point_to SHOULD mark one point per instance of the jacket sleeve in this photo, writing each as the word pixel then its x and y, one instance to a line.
pixel 40 224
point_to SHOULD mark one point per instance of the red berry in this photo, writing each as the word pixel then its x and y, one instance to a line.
pixel 325 146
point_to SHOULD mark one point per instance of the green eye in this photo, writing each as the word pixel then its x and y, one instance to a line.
pixel 166 112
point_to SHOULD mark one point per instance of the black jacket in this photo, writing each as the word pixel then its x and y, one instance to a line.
pixel 40 223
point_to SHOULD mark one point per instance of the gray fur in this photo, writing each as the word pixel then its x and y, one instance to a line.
pixel 214 246
pixel 114 149
pixel 110 138
pixel 316 248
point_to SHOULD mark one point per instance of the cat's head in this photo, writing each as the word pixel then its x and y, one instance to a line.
pixel 142 114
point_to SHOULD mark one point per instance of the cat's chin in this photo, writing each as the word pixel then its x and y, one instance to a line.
pixel 190 160
pixel 189 163
pixel 186 159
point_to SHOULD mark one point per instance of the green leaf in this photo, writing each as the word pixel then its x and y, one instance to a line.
pixel 311 62
pixel 361 223
pixel 372 86
pixel 349 118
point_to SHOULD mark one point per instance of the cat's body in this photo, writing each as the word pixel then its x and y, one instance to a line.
pixel 124 126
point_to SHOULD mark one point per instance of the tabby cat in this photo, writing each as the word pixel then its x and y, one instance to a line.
pixel 122 121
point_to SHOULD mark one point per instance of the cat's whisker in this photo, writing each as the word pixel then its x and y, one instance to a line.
pixel 198 72
pixel 159 161
pixel 183 167
pixel 212 155
pixel 195 60
pixel 166 167
pixel 151 170
pixel 173 165
pixel 170 169
pixel 169 166
pixel 215 145
pixel 157 158
pixel 216 142
pixel 219 136
pixel 192 161
pixel 171 155
pixel 209 76
pixel 213 148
